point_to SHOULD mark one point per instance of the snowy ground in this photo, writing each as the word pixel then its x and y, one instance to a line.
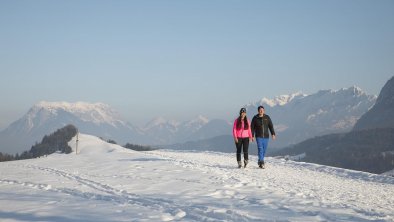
pixel 105 182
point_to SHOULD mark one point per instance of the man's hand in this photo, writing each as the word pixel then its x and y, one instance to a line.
pixel 274 137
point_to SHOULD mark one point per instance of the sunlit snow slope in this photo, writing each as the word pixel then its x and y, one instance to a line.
pixel 106 182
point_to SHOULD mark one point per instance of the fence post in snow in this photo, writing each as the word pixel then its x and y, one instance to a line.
pixel 76 146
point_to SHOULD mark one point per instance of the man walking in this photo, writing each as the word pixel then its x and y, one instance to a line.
pixel 260 125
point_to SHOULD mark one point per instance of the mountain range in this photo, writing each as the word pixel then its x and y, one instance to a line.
pixel 161 131
pixel 101 120
pixel 46 117
pixel 368 147
pixel 296 117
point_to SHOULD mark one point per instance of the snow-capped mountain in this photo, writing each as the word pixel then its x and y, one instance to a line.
pixel 162 131
pixel 174 126
pixel 368 147
pixel 45 117
pixel 101 120
pixel 196 123
pixel 281 100
pixel 213 128
pixel 161 123
pixel 298 116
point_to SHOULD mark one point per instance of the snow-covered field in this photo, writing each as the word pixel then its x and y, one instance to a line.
pixel 105 182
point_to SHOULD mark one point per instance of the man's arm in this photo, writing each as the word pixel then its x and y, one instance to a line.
pixel 271 127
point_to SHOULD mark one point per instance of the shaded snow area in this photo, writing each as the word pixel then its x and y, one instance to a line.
pixel 105 182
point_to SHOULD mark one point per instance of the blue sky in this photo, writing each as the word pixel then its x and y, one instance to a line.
pixel 178 59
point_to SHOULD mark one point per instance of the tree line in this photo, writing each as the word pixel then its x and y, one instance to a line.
pixel 55 142
pixel 58 142
pixel 369 150
pixel 131 146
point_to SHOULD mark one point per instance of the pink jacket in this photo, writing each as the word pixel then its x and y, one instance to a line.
pixel 241 133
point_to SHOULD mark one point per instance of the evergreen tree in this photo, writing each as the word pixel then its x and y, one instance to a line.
pixel 138 147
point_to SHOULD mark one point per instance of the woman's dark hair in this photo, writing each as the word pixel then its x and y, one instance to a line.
pixel 239 123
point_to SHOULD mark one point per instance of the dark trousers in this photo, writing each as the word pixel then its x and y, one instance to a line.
pixel 242 143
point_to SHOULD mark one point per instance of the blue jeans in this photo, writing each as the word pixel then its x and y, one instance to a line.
pixel 262 144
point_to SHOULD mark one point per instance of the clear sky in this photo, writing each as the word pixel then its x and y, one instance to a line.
pixel 178 59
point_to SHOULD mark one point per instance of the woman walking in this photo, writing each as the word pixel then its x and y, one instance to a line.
pixel 242 135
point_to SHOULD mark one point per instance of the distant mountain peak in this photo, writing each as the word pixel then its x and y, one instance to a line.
pixel 357 90
pixel 298 116
pixel 196 123
pixel 199 119
pixel 97 113
pixel 282 99
pixel 160 122
pixel 45 117
pixel 72 107
pixel 353 90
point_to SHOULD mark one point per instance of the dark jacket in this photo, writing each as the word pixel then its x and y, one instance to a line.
pixel 260 126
